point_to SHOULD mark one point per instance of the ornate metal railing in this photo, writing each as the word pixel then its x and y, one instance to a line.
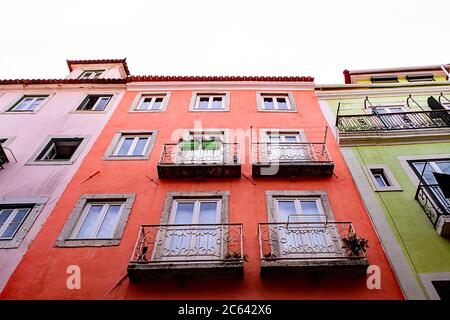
pixel 291 152
pixel 394 121
pixel 221 153
pixel 188 243
pixel 305 240
pixel 433 201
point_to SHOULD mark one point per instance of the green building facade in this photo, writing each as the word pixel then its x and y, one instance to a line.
pixel 393 126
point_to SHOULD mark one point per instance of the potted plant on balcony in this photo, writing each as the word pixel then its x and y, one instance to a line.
pixel 211 144
pixel 354 246
pixel 189 144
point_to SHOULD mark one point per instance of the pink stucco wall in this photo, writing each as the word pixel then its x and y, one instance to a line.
pixel 56 117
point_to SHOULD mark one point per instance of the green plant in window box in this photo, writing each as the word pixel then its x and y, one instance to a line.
pixel 211 144
pixel 354 246
pixel 189 145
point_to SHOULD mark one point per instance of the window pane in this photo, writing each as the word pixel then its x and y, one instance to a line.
pixel 290 138
pixel 427 174
pixel 4 214
pixel 268 103
pixel 110 222
pixel 35 103
pixel 208 212
pixel 23 104
pixel 140 147
pixel 203 103
pixel 157 104
pixel 282 104
pixel 125 147
pixel 90 222
pixel 185 212
pixel 15 223
pixel 399 109
pixel 444 166
pixel 379 179
pixel 217 103
pixel 101 105
pixel 145 104
pixel 379 110
pixel 285 209
pixel 310 210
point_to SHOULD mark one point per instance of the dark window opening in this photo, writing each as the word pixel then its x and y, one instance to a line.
pixel 380 178
pixel 420 77
pixel 94 102
pixel 60 149
pixel 443 289
pixel 384 79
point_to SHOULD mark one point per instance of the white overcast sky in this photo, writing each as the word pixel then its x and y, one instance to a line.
pixel 200 37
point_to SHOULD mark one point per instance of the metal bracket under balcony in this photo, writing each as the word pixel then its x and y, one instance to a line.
pixel 188 251
pixel 436 206
pixel 360 129
pixel 196 159
pixel 291 159
pixel 306 248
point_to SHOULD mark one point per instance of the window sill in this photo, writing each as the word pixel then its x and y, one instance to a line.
pixel 75 243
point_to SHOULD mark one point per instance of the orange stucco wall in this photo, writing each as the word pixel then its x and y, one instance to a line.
pixel 42 272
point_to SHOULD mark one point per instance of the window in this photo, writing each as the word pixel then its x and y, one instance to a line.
pixel 381 178
pixel 420 77
pixel 60 149
pixel 131 145
pixel 28 103
pixel 94 102
pixel 91 74
pixel 388 109
pixel 275 102
pixel 11 219
pixel 209 102
pixel 150 102
pixel 384 79
pixel 3 140
pixel 97 220
pixel 17 216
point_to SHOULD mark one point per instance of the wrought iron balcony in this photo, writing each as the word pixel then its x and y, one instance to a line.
pixel 436 206
pixel 393 121
pixel 296 248
pixel 187 251
pixel 291 159
pixel 195 159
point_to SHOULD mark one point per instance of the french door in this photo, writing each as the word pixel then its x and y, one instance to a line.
pixel 303 231
pixel 191 233
pixel 206 147
pixel 286 147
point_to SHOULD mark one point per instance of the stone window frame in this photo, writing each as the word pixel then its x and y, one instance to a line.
pixel 73 159
pixel 64 239
pixel 139 96
pixel 271 195
pixel 119 134
pixel 224 196
pixel 38 204
pixel 8 141
pixel 290 96
pixel 427 278
pixel 388 174
pixel 19 97
pixel 110 104
pixel 404 162
pixel 195 94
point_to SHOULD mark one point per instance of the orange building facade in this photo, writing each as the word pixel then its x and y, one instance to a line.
pixel 209 188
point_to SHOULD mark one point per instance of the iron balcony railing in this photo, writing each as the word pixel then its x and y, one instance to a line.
pixel 433 201
pixel 186 243
pixel 306 241
pixel 290 152
pixel 394 121
pixel 200 153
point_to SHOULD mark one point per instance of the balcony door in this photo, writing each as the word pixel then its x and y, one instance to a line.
pixel 432 187
pixel 389 117
pixel 203 147
pixel 192 232
pixel 287 147
pixel 303 230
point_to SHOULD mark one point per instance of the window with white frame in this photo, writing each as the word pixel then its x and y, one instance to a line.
pixel 132 145
pixel 59 149
pixel 210 102
pixel 94 102
pixel 149 102
pixel 91 74
pixel 11 218
pixel 388 109
pixel 98 220
pixel 275 102
pixel 28 103
pixel 381 177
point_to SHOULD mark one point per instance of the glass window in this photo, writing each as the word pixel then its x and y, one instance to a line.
pixel 10 221
pixel 59 149
pixel 28 103
pixel 275 102
pixel 148 102
pixel 213 102
pixel 94 102
pixel 91 74
pixel 132 145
